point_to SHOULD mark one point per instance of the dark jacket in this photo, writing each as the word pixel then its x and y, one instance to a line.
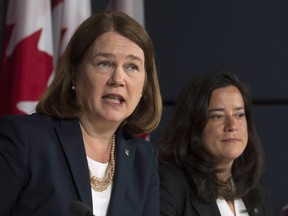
pixel 178 197
pixel 44 168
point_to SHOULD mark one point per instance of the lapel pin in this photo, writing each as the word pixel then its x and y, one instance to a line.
pixel 256 210
pixel 127 152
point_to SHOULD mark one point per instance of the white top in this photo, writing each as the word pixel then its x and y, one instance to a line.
pixel 100 200
pixel 240 208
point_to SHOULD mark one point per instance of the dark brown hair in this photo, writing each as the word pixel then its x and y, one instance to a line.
pixel 59 99
pixel 181 142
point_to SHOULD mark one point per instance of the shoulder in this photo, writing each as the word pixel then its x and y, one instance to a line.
pixel 27 120
pixel 142 147
pixel 264 196
pixel 33 121
pixel 171 170
pixel 177 197
pixel 173 175
pixel 32 127
pixel 259 199
pixel 262 193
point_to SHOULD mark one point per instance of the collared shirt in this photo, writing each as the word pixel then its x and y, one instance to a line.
pixel 225 210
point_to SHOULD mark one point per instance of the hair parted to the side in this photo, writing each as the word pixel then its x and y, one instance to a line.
pixel 59 99
pixel 181 143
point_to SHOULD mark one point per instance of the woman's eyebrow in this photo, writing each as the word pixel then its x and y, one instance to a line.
pixel 223 109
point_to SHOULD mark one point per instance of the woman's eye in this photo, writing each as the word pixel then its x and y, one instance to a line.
pixel 241 115
pixel 132 67
pixel 216 116
pixel 104 66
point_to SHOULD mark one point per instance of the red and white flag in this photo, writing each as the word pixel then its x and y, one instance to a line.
pixel 33 42
pixel 67 15
pixel 28 55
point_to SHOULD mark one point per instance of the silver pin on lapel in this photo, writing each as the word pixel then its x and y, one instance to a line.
pixel 256 210
pixel 127 152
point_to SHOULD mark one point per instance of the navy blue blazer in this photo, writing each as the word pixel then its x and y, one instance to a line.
pixel 43 168
pixel 178 197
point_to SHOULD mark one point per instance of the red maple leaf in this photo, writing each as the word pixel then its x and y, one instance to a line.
pixel 24 74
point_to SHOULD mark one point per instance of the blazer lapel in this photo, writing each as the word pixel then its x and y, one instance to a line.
pixel 70 137
pixel 205 208
pixel 125 152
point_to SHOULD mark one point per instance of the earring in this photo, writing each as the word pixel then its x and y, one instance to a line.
pixel 73 87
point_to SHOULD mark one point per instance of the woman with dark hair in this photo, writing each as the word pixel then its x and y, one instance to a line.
pixel 82 143
pixel 211 158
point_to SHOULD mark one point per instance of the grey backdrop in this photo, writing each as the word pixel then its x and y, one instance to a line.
pixel 247 37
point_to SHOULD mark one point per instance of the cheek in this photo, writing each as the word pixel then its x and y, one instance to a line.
pixel 207 138
pixel 210 131
pixel 244 131
pixel 86 89
pixel 137 87
pixel 210 136
pixel 142 82
pixel 245 135
pixel 89 90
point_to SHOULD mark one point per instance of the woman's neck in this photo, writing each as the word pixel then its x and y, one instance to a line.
pixel 97 145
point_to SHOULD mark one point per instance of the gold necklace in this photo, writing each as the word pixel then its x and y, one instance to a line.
pixel 101 184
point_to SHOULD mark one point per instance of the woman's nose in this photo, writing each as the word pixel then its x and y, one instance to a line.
pixel 117 77
pixel 231 124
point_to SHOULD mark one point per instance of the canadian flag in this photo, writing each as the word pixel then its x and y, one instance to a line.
pixel 36 34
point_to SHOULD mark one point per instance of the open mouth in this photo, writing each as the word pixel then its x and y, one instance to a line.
pixel 114 99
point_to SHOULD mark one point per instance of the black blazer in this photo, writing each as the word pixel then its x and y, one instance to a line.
pixel 43 168
pixel 177 197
